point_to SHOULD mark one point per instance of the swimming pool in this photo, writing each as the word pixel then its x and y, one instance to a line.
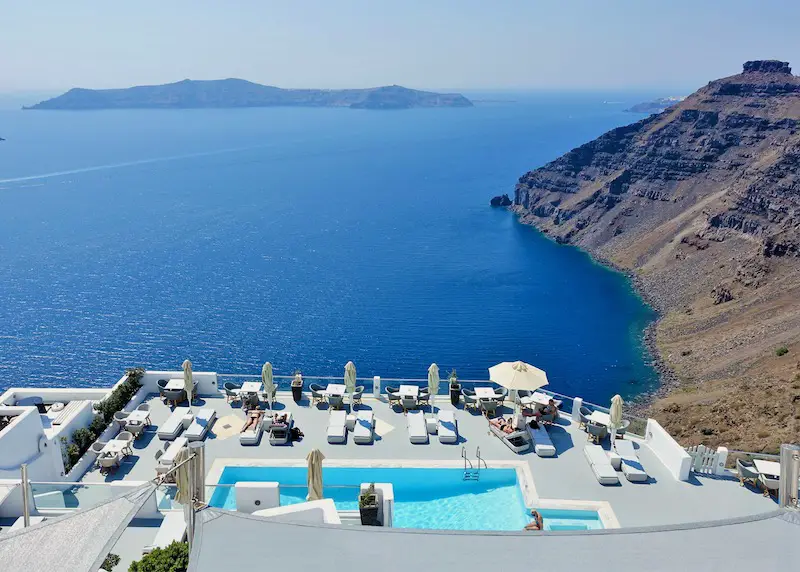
pixel 434 498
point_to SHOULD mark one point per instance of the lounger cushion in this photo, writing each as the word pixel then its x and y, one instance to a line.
pixel 600 464
pixel 447 426
pixel 199 427
pixel 173 426
pixel 631 466
pixel 543 445
pixel 252 436
pixel 364 427
pixel 417 429
pixel 518 441
pixel 337 431
pixel 280 433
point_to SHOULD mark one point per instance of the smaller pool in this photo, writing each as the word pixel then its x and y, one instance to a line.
pixel 564 519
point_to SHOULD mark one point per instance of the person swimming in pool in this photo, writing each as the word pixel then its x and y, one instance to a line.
pixel 536 523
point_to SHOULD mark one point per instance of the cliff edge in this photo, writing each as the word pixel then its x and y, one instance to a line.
pixel 701 203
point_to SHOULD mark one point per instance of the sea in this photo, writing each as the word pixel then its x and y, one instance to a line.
pixel 307 238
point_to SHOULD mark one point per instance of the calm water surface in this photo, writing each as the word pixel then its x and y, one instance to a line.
pixel 307 237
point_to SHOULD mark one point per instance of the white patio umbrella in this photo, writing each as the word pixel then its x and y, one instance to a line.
pixel 188 386
pixel 518 375
pixel 616 416
pixel 433 383
pixel 267 380
pixel 350 379
pixel 315 459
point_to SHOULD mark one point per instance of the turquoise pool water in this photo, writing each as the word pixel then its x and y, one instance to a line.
pixel 424 498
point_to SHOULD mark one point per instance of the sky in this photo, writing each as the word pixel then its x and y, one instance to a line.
pixel 53 45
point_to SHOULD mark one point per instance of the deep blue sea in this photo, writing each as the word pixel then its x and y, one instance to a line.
pixel 307 237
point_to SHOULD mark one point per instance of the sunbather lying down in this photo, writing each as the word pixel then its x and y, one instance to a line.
pixel 502 424
pixel 253 417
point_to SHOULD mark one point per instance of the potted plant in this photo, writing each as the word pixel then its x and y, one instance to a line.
pixel 455 388
pixel 368 506
pixel 297 386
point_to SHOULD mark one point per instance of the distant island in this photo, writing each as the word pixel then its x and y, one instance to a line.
pixel 241 93
pixel 655 106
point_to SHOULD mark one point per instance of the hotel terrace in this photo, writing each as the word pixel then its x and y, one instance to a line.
pixel 436 475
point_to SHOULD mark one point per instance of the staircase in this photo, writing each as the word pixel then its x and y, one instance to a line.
pixel 470 472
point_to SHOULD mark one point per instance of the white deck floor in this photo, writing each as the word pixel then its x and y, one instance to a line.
pixel 661 501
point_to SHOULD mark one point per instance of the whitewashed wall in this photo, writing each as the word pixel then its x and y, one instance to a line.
pixel 671 454
pixel 207 381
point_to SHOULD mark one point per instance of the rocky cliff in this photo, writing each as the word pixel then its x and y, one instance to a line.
pixel 701 203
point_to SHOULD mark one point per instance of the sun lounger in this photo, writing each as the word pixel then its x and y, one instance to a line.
pixel 202 422
pixel 447 426
pixel 253 435
pixel 631 467
pixel 600 464
pixel 417 428
pixel 364 428
pixel 281 433
pixel 337 431
pixel 19 524
pixel 173 426
pixel 542 443
pixel 172 529
pixel 519 441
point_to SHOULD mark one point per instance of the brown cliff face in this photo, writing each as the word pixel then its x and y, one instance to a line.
pixel 702 203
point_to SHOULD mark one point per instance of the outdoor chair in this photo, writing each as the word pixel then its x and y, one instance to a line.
pixel 623 428
pixel 268 398
pixel 501 393
pixel 109 462
pixel 356 398
pixel 393 397
pixel 232 391
pixel 97 446
pixel 162 385
pixel 424 397
pixel 135 428
pixel 145 407
pixel 770 484
pixel 470 401
pixel 408 403
pixel 584 413
pixel 489 406
pixel 747 472
pixel 174 395
pixel 317 393
pixel 121 418
pixel 597 432
pixel 126 436
pixel 336 401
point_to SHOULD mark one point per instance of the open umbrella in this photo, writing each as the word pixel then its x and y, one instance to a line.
pixel 315 459
pixel 433 383
pixel 616 416
pixel 350 380
pixel 518 375
pixel 269 384
pixel 188 385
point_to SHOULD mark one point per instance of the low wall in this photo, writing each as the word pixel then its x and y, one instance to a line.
pixel 206 381
pixel 670 453
pixel 53 394
pixel 253 496
pixel 315 512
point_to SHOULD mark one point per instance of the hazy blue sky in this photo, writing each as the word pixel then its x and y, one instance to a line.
pixel 57 44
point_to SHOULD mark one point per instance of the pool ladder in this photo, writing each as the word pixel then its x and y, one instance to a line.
pixel 470 472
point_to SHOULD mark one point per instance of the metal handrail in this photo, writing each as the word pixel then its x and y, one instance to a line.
pixel 751 454
pixel 480 459
pixel 283 486
pixel 466 459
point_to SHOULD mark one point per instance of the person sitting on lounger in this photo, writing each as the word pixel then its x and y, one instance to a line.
pixel 253 417
pixel 536 523
pixel 279 419
pixel 502 424
pixel 549 411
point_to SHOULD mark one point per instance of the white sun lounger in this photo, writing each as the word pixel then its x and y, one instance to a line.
pixel 337 430
pixel 417 428
pixel 281 433
pixel 631 466
pixel 364 428
pixel 253 435
pixel 202 422
pixel 447 426
pixel 542 443
pixel 519 441
pixel 172 529
pixel 601 465
pixel 173 426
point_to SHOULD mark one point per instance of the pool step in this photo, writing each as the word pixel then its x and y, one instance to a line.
pixel 350 517
pixel 472 475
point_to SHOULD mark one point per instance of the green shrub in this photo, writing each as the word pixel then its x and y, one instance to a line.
pixel 110 561
pixel 781 351
pixel 173 558
pixel 83 438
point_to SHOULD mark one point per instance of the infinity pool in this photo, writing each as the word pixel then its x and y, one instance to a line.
pixel 424 498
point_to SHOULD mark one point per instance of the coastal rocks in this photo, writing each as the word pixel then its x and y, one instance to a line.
pixel 501 201
pixel 752 272
pixel 766 66
pixel 721 294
